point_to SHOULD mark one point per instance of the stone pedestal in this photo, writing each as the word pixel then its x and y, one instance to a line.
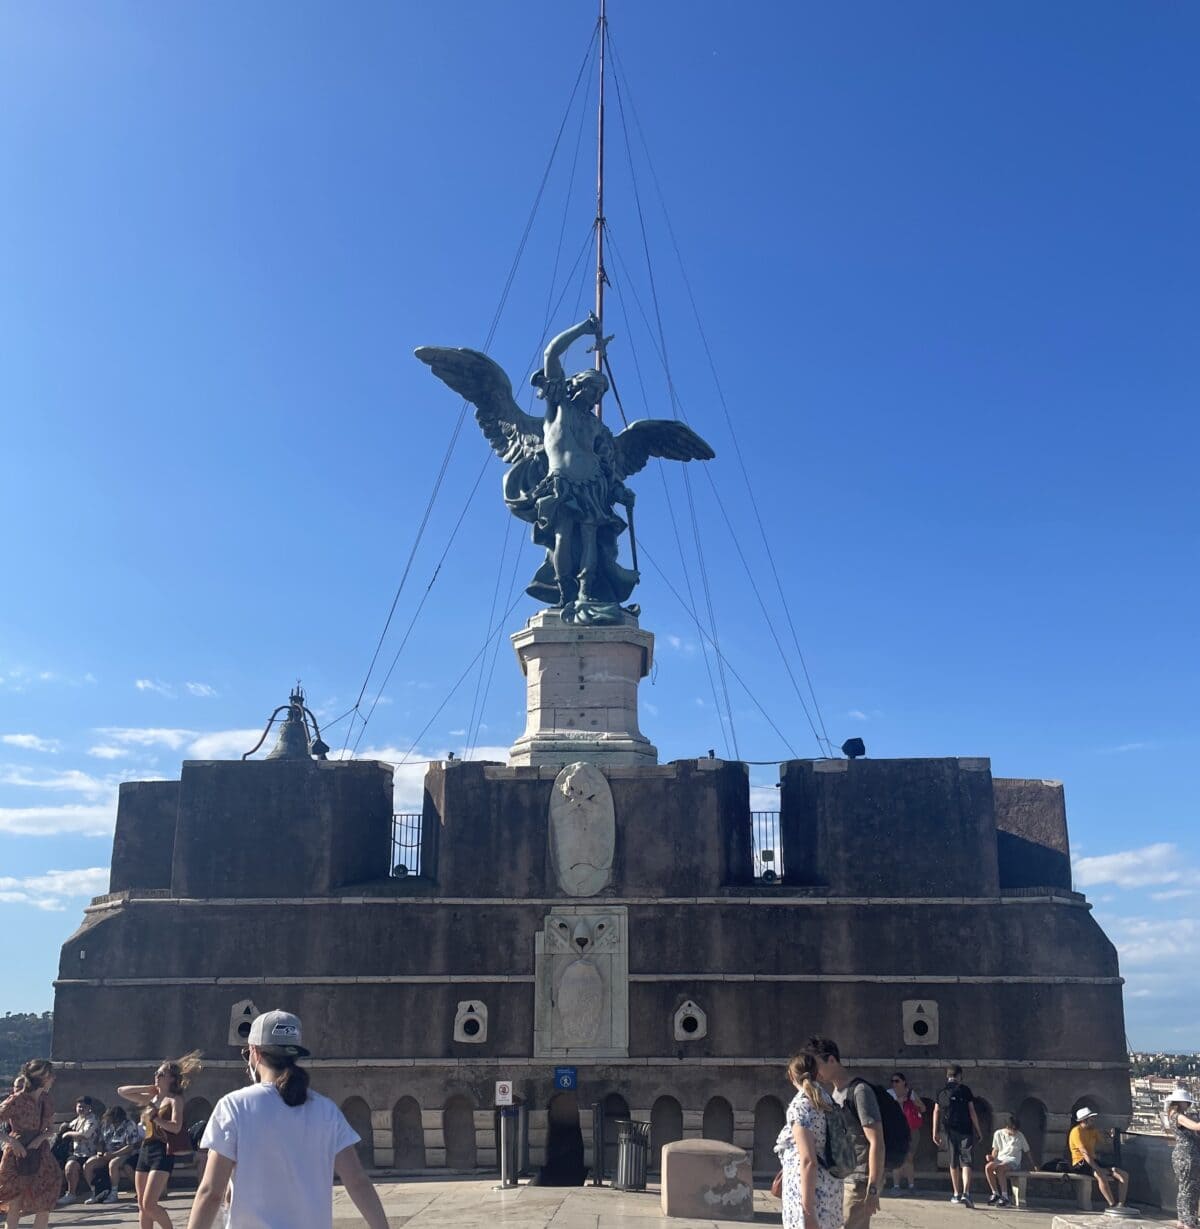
pixel 581 693
pixel 706 1179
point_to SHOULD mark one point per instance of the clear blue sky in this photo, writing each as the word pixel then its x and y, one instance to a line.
pixel 945 256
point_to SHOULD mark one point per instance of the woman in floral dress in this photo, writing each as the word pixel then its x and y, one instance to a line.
pixel 812 1197
pixel 30 1178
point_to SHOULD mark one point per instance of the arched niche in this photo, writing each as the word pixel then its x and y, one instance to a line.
pixel 987 1122
pixel 408 1136
pixel 358 1115
pixel 768 1122
pixel 718 1120
pixel 927 1153
pixel 1031 1118
pixel 458 1131
pixel 615 1109
pixel 666 1126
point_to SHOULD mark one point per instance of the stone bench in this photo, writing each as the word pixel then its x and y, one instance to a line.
pixel 1081 1184
pixel 707 1180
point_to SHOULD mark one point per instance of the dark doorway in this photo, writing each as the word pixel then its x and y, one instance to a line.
pixel 564 1143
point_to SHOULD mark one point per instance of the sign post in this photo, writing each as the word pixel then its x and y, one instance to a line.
pixel 508 1135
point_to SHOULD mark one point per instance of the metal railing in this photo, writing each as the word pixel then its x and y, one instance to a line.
pixel 406 843
pixel 768 849
pixel 764 831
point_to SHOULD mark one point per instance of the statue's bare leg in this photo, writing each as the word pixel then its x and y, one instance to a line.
pixel 564 567
pixel 587 560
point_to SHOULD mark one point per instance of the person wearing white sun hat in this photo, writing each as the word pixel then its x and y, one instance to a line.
pixel 1084 1142
pixel 280 1143
pixel 1185 1157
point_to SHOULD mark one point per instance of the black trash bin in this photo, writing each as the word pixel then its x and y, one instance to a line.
pixel 633 1155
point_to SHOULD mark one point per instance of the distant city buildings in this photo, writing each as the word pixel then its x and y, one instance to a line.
pixel 1152 1077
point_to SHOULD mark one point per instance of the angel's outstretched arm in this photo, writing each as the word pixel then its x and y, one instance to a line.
pixel 552 366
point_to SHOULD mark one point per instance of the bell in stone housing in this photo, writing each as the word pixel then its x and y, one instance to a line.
pixel 293 741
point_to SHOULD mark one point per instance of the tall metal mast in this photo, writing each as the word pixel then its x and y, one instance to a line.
pixel 600 275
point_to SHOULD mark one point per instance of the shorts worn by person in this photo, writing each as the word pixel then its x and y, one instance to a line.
pixel 1084 1142
pixel 280 1143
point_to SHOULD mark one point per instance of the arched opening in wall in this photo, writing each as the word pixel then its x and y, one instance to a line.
pixel 564 1143
pixel 666 1126
pixel 615 1109
pixel 196 1112
pixel 987 1123
pixel 718 1120
pixel 458 1132
pixel 1090 1101
pixel 358 1115
pixel 926 1158
pixel 768 1122
pixel 1031 1118
pixel 408 1136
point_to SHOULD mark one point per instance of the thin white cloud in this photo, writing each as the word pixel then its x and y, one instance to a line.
pixel 1174 894
pixel 154 685
pixel 31 742
pixel 227 744
pixel 856 714
pixel 152 736
pixel 408 783
pixel 1150 866
pixel 201 689
pixel 72 781
pixel 107 753
pixel 50 890
pixel 1124 748
pixel 1155 943
pixel 79 819
pixel 764 798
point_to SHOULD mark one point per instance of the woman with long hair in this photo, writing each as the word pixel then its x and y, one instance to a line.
pixel 812 1197
pixel 166 1137
pixel 284 1140
pixel 30 1177
pixel 1185 1156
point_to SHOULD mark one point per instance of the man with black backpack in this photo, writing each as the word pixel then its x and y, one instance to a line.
pixel 954 1109
pixel 857 1109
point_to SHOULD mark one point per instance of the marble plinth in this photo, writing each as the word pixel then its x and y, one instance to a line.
pixel 581 693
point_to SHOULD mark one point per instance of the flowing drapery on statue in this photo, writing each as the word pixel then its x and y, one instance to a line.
pixel 567 471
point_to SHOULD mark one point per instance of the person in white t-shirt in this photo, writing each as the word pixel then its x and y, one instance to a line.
pixel 280 1143
pixel 1009 1150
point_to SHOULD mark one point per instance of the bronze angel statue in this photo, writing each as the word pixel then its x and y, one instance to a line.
pixel 568 470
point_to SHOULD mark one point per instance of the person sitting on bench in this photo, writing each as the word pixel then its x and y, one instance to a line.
pixel 1084 1142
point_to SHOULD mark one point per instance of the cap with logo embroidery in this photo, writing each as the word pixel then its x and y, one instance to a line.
pixel 277 1030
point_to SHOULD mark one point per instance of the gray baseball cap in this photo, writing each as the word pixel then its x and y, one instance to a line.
pixel 277 1030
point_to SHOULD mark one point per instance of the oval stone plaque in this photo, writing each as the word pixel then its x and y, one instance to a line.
pixel 583 831
pixel 580 1002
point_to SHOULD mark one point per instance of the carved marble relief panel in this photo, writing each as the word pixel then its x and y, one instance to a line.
pixel 581 969
pixel 582 830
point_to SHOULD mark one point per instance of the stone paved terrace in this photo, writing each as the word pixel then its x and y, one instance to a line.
pixel 472 1203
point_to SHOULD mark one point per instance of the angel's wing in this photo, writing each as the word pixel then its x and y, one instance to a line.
pixel 657 437
pixel 512 433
